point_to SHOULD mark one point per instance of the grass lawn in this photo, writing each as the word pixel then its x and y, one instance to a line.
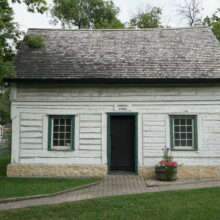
pixel 18 187
pixel 197 204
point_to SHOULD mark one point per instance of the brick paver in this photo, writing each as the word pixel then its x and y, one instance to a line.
pixel 111 186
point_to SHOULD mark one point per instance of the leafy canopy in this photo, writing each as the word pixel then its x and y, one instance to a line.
pixel 95 14
pixel 9 37
pixel 39 6
pixel 214 23
pixel 150 17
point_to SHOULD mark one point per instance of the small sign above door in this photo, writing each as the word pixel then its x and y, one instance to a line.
pixel 123 107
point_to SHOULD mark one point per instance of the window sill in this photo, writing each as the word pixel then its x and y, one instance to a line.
pixel 184 149
pixel 59 149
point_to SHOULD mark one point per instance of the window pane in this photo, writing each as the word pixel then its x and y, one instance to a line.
pixel 61 142
pixel 189 135
pixel 56 121
pixel 183 135
pixel 176 128
pixel 61 136
pixel 67 135
pixel 183 121
pixel 189 143
pixel 189 128
pixel 67 143
pixel 62 128
pixel 176 121
pixel 62 121
pixel 189 121
pixel 55 135
pixel 177 136
pixel 183 128
pixel 68 128
pixel 68 121
pixel 55 142
pixel 177 143
pixel 183 143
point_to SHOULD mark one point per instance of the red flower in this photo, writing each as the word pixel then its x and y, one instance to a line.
pixel 168 163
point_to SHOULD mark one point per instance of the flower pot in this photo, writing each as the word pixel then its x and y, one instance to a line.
pixel 166 173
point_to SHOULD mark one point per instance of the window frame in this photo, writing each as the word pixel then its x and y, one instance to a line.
pixel 195 132
pixel 50 134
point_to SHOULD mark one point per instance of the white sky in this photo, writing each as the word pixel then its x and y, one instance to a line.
pixel 127 7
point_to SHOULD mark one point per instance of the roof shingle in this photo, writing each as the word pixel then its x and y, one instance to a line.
pixel 187 53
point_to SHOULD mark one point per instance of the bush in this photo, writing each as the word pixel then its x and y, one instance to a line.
pixel 34 41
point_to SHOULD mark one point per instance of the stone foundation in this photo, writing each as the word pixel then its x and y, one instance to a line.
pixel 196 172
pixel 43 170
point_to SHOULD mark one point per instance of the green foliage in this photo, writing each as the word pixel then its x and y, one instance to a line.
pixel 9 35
pixel 19 187
pixel 5 106
pixel 39 6
pixel 214 23
pixel 4 161
pixel 95 14
pixel 148 18
pixel 34 41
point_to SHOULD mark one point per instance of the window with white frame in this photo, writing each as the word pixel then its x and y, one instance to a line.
pixel 183 132
pixel 61 132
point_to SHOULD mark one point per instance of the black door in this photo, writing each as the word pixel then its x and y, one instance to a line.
pixel 122 134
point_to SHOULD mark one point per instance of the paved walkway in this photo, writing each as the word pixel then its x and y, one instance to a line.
pixel 112 186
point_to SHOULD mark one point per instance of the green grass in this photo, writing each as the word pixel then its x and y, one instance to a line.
pixel 197 204
pixel 19 187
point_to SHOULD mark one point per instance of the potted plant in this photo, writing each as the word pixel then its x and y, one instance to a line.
pixel 166 169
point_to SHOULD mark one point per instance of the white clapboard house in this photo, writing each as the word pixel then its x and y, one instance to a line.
pixel 98 102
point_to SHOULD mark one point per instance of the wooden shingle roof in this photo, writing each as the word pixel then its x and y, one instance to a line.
pixel 181 53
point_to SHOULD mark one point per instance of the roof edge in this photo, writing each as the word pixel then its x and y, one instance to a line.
pixel 141 29
pixel 113 80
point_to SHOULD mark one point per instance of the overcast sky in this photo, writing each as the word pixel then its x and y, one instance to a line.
pixel 127 7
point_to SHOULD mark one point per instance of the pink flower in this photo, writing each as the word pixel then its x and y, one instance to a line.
pixel 168 163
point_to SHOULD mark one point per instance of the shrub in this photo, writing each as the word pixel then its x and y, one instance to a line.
pixel 34 41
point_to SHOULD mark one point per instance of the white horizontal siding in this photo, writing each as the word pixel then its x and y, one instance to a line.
pixel 117 93
pixel 91 104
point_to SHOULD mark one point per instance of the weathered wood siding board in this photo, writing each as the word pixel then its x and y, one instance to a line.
pixel 30 131
pixel 91 137
pixel 211 134
pixel 54 154
pixel 90 105
pixel 123 93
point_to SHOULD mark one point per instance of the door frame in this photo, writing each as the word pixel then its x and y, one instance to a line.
pixel 135 141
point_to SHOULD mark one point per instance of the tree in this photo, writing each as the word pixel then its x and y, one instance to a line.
pixel 39 6
pixel 190 11
pixel 9 37
pixel 150 17
pixel 86 14
pixel 214 23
